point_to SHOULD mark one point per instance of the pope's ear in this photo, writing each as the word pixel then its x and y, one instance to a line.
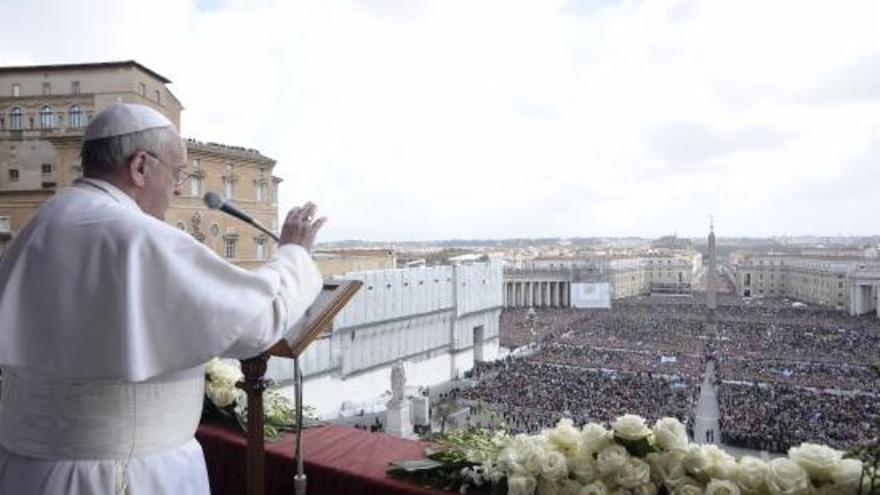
pixel 137 168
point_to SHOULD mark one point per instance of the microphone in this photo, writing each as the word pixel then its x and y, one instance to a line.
pixel 215 202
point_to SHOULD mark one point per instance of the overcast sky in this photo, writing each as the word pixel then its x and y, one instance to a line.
pixel 410 120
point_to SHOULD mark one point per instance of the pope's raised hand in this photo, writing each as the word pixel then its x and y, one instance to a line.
pixel 300 226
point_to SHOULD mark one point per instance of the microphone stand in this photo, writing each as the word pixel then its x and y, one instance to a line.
pixel 299 479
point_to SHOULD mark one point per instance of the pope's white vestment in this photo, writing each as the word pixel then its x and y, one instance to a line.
pixel 106 318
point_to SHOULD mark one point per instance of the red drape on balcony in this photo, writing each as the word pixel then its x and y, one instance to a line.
pixel 338 460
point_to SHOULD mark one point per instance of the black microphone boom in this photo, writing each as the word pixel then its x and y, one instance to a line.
pixel 215 202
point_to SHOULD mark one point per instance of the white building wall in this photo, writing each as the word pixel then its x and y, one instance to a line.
pixel 328 393
pixel 423 316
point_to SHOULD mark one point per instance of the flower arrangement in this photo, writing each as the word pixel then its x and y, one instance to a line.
pixel 630 458
pixel 225 401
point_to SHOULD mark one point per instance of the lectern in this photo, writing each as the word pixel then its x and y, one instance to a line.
pixel 317 319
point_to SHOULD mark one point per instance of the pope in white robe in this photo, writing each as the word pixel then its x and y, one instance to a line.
pixel 108 314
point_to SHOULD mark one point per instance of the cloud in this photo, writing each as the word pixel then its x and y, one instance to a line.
pixel 689 142
pixel 857 82
pixel 491 118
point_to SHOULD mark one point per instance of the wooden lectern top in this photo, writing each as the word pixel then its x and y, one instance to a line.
pixel 319 316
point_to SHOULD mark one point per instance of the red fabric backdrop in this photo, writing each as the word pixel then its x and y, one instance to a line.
pixel 338 460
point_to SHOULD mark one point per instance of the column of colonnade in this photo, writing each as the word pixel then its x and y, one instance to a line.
pixel 537 294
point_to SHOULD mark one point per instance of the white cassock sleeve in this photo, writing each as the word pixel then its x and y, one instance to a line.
pixel 94 289
pixel 295 271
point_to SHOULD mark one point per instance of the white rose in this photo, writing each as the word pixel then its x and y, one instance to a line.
pixel 696 462
pixel 786 477
pixel 724 470
pixel 634 472
pixel 583 468
pixel 594 488
pixel 554 466
pixel 722 487
pixel 751 475
pixel 519 484
pixel 223 371
pixel 533 460
pixel 847 476
pixel 666 468
pixel 611 459
pixel 721 464
pixel 670 434
pixel 595 437
pixel 819 461
pixel 688 489
pixel 211 365
pixel 509 459
pixel 630 427
pixel 564 437
pixel 220 395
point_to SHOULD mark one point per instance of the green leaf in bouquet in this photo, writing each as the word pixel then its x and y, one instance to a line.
pixel 414 466
pixel 636 448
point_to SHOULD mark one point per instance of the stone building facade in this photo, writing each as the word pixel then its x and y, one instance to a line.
pixel 546 282
pixel 43 113
pixel 340 261
pixel 845 283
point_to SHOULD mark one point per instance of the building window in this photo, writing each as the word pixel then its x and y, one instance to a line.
pixel 228 188
pixel 13 174
pixel 47 88
pixel 261 192
pixel 197 163
pixel 74 87
pixel 47 117
pixel 230 247
pixel 215 231
pixel 15 119
pixel 143 89
pixel 261 249
pixel 16 89
pixel 158 97
pixel 195 185
pixel 46 169
pixel 76 117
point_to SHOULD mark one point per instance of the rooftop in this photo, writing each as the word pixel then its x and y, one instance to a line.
pixel 84 66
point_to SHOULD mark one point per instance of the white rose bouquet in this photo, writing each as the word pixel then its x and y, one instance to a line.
pixel 225 402
pixel 632 459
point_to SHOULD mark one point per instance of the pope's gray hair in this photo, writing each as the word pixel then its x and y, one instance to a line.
pixel 108 155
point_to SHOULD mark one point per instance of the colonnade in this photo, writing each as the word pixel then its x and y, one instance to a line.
pixel 539 294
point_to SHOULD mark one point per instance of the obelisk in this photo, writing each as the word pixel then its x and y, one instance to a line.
pixel 711 285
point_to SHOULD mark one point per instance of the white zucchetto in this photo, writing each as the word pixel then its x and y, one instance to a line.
pixel 124 118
